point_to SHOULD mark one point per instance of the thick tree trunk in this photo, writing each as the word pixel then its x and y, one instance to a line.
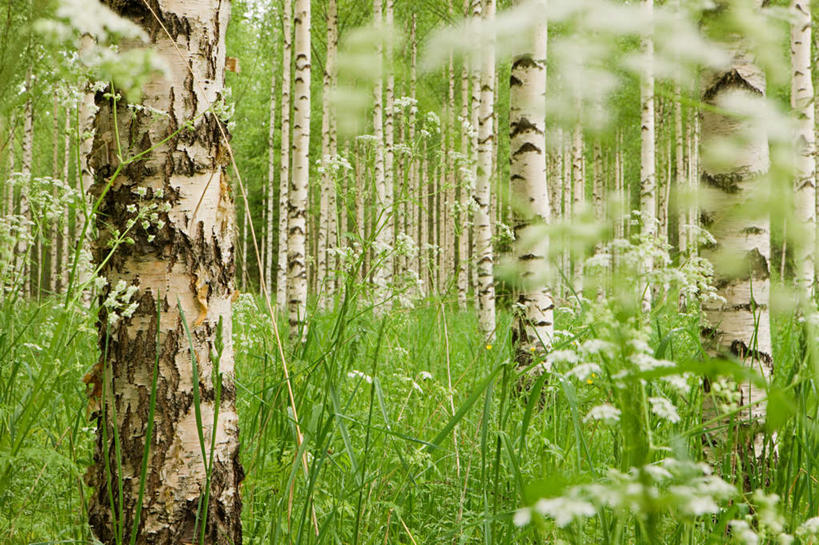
pixel 297 205
pixel 804 228
pixel 741 255
pixel 483 192
pixel 182 261
pixel 284 156
pixel 527 134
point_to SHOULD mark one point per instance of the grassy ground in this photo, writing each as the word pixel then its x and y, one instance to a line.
pixel 415 433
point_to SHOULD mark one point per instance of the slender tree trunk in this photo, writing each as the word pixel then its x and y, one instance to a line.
pixel 741 256
pixel 464 190
pixel 359 205
pixel 383 227
pixel 244 236
pixel 271 185
pixel 527 134
pixel 679 172
pixel 65 261
pixel 284 157
pixel 53 243
pixel 297 206
pixel 414 197
pixel 23 250
pixel 578 191
pixel 802 100
pixel 648 177
pixel 145 334
pixel 474 110
pixel 327 213
pixel 483 193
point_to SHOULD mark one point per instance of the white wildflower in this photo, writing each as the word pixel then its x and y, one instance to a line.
pixel 584 370
pixel 564 510
pixel 664 409
pixel 568 356
pixel 523 516
pixel 358 374
pixel 808 529
pixel 606 413
pixel 596 346
pixel 742 532
pixel 679 383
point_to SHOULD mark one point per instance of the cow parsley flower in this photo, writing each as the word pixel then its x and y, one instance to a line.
pixel 606 413
pixel 664 409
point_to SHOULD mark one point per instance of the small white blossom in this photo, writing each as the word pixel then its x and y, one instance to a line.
pixel 664 409
pixel 564 510
pixel 606 413
pixel 584 370
pixel 523 516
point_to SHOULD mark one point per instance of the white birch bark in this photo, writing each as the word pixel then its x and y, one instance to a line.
pixel 382 228
pixel 23 250
pixel 741 325
pixel 483 192
pixel 474 110
pixel 65 260
pixel 54 239
pixel 804 229
pixel 297 205
pixel 679 172
pixel 284 156
pixel 327 212
pixel 197 230
pixel 578 201
pixel 534 327
pixel 648 175
pixel 415 198
pixel 271 186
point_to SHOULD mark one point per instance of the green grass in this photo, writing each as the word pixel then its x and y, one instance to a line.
pixel 395 455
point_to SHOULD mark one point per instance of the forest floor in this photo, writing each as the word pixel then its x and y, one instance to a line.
pixel 415 430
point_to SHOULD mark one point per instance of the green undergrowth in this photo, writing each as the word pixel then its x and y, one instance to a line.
pixel 416 430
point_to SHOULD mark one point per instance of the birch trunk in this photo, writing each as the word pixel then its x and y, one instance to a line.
pixel 474 110
pixel 741 255
pixel 284 157
pixel 483 193
pixel 23 250
pixel 527 134
pixel 327 210
pixel 389 221
pixel 65 262
pixel 414 198
pixel 271 186
pixel 804 229
pixel 464 191
pixel 648 175
pixel 578 192
pixel 54 239
pixel 382 228
pixel 186 177
pixel 297 206
pixel 679 173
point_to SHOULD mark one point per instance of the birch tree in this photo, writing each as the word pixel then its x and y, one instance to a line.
pixel 527 133
pixel 805 188
pixel 740 325
pixel 483 183
pixel 165 324
pixel 297 197
pixel 327 205
pixel 383 231
pixel 271 185
pixel 648 175
pixel 284 156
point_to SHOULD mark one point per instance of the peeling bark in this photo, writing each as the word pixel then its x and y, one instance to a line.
pixel 284 156
pixel 299 185
pixel 741 255
pixel 534 327
pixel 184 259
pixel 483 186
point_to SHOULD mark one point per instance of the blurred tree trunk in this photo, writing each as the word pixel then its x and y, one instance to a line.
pixel 65 261
pixel 474 111
pixel 464 188
pixel 534 326
pixel 683 195
pixel 23 249
pixel 483 187
pixel 184 261
pixel 741 256
pixel 414 196
pixel 284 157
pixel 578 192
pixel 54 239
pixel 299 186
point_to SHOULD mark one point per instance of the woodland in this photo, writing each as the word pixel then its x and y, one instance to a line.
pixel 409 272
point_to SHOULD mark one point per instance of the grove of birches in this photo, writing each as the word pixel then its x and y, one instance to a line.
pixel 409 272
